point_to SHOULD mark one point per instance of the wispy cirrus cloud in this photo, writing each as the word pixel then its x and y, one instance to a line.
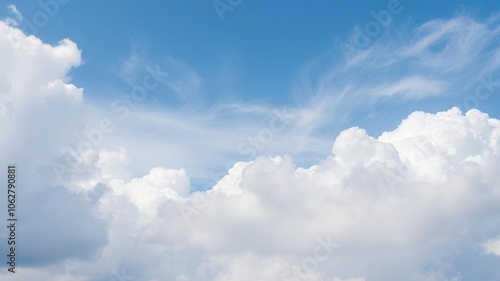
pixel 18 17
pixel 409 88
pixel 403 66
pixel 438 59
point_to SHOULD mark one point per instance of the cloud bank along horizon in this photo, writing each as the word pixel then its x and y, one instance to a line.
pixel 419 202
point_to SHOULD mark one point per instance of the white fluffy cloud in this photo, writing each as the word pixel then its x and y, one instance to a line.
pixel 35 94
pixel 399 199
pixel 39 111
pixel 386 208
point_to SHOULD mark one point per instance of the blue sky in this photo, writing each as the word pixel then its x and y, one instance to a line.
pixel 269 54
pixel 264 47
pixel 234 140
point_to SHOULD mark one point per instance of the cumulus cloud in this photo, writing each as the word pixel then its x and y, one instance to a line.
pixel 408 191
pixel 386 208
pixel 39 104
pixel 39 111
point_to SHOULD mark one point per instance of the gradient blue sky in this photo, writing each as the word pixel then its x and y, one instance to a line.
pixel 266 54
pixel 260 49
pixel 270 55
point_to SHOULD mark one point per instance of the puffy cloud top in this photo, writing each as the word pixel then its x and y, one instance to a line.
pixel 387 208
